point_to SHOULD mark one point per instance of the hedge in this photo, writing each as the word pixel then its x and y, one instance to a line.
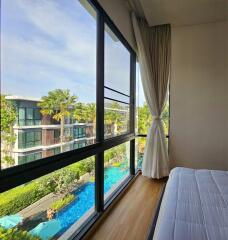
pixel 20 197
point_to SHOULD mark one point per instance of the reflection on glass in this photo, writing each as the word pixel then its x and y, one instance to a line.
pixel 48 67
pixel 116 162
pixel 56 201
pixel 140 143
pixel 117 63
pixel 116 118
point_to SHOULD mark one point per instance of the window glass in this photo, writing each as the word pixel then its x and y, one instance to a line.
pixel 116 166
pixel 27 139
pixel 37 114
pixel 47 59
pixel 30 136
pixel 140 143
pixel 56 133
pixel 117 63
pixel 21 113
pixel 57 150
pixel 21 116
pixel 117 86
pixel 116 117
pixel 37 136
pixel 29 113
pixel 116 96
pixel 21 140
pixel 143 115
pixel 63 198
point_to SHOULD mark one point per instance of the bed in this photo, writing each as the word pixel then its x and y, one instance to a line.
pixel 194 206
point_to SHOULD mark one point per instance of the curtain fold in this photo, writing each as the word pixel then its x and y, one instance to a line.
pixel 154 53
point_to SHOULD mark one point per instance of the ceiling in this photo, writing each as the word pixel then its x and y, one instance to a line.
pixel 184 12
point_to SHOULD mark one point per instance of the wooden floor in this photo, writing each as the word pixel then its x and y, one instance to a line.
pixel 132 215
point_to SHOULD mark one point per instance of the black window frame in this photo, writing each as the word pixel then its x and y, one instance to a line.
pixel 23 173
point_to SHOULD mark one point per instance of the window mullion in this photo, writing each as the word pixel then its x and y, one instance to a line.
pixel 99 164
pixel 132 110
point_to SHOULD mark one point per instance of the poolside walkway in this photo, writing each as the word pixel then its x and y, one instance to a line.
pixel 40 206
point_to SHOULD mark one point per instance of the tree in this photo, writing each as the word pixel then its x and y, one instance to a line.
pixel 80 112
pixel 91 115
pixel 58 104
pixel 86 113
pixel 8 138
pixel 165 118
pixel 144 119
pixel 87 165
pixel 113 116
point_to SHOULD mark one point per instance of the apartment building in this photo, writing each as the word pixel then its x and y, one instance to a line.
pixel 38 136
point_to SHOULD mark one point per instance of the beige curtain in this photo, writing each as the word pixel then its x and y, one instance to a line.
pixel 154 48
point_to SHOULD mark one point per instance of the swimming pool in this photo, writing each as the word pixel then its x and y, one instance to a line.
pixel 85 197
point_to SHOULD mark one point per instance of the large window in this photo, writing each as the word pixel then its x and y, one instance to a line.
pixel 48 68
pixel 29 116
pixel 28 139
pixel 68 139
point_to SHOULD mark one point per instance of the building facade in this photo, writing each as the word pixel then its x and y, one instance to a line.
pixel 38 136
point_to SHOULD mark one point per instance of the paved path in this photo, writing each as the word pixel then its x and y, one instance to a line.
pixel 40 206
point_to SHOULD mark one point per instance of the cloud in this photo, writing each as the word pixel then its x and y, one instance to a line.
pixel 51 50
pixel 48 44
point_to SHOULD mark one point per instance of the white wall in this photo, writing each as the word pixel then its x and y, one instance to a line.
pixel 199 96
pixel 120 15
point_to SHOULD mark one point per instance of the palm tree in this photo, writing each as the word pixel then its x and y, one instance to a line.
pixel 58 104
pixel 80 112
pixel 91 115
pixel 86 113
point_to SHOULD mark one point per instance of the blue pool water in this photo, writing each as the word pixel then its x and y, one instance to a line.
pixel 85 197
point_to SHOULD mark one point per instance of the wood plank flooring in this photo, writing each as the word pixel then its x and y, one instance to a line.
pixel 131 217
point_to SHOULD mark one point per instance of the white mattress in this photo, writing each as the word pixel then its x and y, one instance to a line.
pixel 194 206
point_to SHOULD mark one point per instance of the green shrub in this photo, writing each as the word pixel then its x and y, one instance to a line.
pixel 15 234
pixel 20 197
pixel 59 204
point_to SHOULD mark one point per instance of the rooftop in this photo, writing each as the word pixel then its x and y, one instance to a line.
pixel 14 97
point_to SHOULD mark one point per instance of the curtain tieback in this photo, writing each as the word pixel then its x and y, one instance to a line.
pixel 156 118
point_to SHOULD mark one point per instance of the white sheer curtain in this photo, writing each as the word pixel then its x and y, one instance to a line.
pixel 154 48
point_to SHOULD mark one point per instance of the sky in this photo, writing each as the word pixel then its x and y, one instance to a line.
pixel 49 44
